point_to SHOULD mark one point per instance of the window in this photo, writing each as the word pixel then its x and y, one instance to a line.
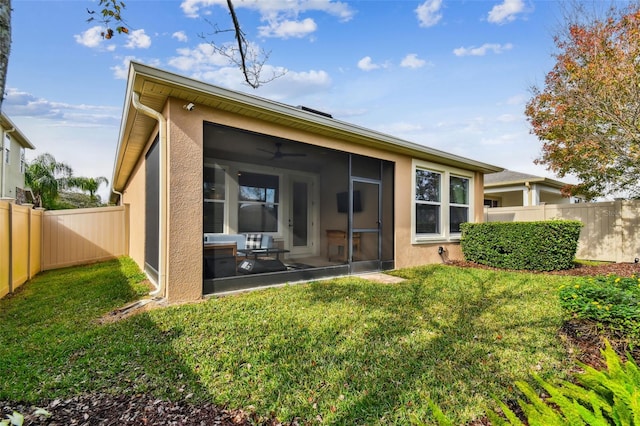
pixel 428 202
pixel 214 199
pixel 458 202
pixel 7 150
pixel 258 202
pixel 23 160
pixel 443 201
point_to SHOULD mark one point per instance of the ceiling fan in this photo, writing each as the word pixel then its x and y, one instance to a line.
pixel 278 154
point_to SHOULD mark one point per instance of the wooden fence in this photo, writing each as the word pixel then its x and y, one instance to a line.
pixel 611 229
pixel 34 240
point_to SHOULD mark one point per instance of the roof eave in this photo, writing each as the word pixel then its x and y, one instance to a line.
pixel 15 131
pixel 547 181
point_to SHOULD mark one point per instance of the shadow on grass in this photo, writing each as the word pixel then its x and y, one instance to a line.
pixel 52 346
pixel 345 351
pixel 453 341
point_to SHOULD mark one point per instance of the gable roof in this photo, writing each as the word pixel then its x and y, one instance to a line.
pixel 155 86
pixel 16 134
pixel 510 177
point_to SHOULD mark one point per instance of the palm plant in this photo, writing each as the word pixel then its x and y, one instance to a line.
pixel 90 185
pixel 46 177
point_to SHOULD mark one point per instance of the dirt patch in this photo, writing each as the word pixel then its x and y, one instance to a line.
pixel 134 308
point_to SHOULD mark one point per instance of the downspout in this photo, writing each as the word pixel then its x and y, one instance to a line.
pixel 161 289
pixel 3 191
pixel 119 194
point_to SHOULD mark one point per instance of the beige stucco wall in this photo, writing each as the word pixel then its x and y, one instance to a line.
pixel 185 177
pixel 184 261
pixel 553 198
pixel 134 197
pixel 137 211
pixel 510 199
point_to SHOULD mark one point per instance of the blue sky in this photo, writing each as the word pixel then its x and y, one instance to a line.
pixel 452 75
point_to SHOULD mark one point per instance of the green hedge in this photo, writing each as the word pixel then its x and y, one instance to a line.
pixel 538 246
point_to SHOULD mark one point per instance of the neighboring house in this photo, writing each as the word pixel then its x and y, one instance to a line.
pixel 13 146
pixel 510 189
pixel 200 167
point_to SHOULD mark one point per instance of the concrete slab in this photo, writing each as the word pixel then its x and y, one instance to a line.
pixel 380 277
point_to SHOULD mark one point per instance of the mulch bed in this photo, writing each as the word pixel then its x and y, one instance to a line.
pixel 582 338
pixel 103 409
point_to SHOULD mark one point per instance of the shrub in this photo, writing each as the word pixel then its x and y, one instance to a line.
pixel 539 246
pixel 610 397
pixel 611 301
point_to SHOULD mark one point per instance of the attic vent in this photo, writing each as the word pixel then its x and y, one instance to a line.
pixel 315 111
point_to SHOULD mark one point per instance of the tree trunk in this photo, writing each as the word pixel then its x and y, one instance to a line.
pixel 5 44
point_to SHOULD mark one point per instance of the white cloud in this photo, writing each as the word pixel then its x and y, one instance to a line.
pixel 180 36
pixel 401 129
pixel 291 85
pixel 199 59
pixel 93 38
pixel 503 139
pixel 505 12
pixel 191 8
pixel 138 40
pixel 270 10
pixel 366 64
pixel 121 71
pixel 287 28
pixel 82 135
pixel 412 61
pixel 508 118
pixel 202 62
pixel 281 17
pixel 482 50
pixel 19 103
pixel 296 85
pixel 519 99
pixel 429 13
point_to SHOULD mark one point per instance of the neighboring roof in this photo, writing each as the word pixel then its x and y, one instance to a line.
pixel 155 86
pixel 16 134
pixel 509 177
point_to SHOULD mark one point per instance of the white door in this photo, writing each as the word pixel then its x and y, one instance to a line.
pixel 302 214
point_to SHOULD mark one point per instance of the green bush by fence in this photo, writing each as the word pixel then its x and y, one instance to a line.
pixel 538 246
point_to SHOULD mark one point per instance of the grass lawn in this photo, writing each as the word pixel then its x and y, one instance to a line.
pixel 344 351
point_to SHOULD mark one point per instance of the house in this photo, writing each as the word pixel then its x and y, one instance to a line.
pixel 511 189
pixel 13 164
pixel 203 171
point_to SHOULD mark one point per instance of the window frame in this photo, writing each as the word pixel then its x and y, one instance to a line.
pixel 224 201
pixel 7 150
pixel 23 160
pixel 232 187
pixel 445 203
pixel 276 203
